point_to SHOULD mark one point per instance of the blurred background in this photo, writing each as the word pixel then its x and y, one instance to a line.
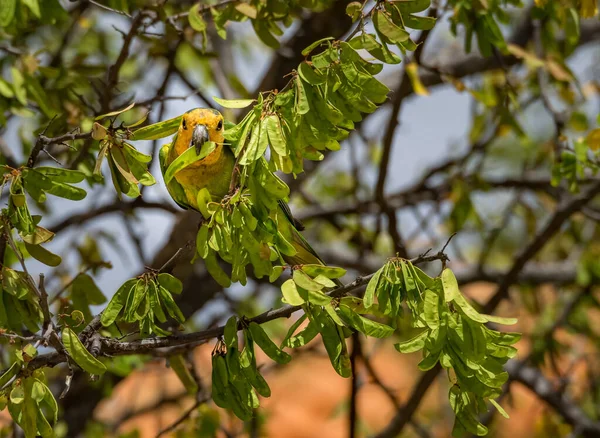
pixel 473 147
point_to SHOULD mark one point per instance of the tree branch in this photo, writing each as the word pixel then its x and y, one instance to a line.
pixel 161 346
pixel 533 379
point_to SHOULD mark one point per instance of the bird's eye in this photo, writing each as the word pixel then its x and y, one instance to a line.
pixel 220 125
pixel 183 124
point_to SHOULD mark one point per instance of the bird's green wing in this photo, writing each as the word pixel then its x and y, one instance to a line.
pixel 290 228
pixel 174 188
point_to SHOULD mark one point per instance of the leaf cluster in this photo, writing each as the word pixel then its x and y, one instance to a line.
pixel 454 335
pixel 235 375
pixel 128 166
pixel 264 16
pixel 145 300
pixel 19 305
pixel 37 183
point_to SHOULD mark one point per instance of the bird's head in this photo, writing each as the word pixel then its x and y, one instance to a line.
pixel 197 127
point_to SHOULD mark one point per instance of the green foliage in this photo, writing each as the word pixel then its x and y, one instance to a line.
pixel 37 183
pixel 454 335
pixel 264 16
pixel 30 402
pixel 128 167
pixel 243 229
pixel 80 355
pixel 145 300
pixel 235 375
pixel 19 305
pixel 574 164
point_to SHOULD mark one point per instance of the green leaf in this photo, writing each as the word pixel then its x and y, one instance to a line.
pixel 431 309
pixel 500 320
pixel 170 305
pixel 429 361
pixel 79 354
pixel 411 6
pixel 212 265
pixel 362 324
pixel 135 298
pixel 372 287
pixel 155 302
pixel 414 344
pixel 29 412
pixel 500 409
pixel 263 30
pixel 303 337
pixel 6 89
pixel 230 333
pixel 109 315
pixel 187 158
pixel 309 75
pixel 33 6
pixel 7 12
pixel 136 155
pixel 328 271
pixel 334 342
pixel 292 330
pixel 384 24
pixel 353 10
pixel 305 282
pixel 61 175
pixel 419 23
pixel 302 106
pixel 326 282
pixel 267 345
pixel 157 130
pixel 314 45
pixel 115 113
pixel 314 297
pixel 290 293
pixel 234 103
pixel 450 285
pixel 468 310
pixel 220 382
pixel 334 315
pixel 249 368
pixel 379 51
pixel 39 236
pixel 41 254
pixel 247 9
pixel 195 19
pixel 170 283
pixel 10 373
pixel 276 136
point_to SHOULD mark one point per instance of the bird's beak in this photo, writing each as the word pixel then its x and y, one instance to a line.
pixel 199 137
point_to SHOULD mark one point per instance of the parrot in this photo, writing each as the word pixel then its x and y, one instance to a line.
pixel 214 172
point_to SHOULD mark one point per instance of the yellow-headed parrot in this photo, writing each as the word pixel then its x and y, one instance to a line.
pixel 214 172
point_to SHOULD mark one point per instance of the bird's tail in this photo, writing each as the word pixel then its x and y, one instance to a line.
pixel 305 254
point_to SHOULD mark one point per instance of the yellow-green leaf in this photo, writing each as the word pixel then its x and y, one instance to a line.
pixel 115 113
pixel 79 353
pixel 412 70
pixel 41 254
pixel 157 130
pixel 233 103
